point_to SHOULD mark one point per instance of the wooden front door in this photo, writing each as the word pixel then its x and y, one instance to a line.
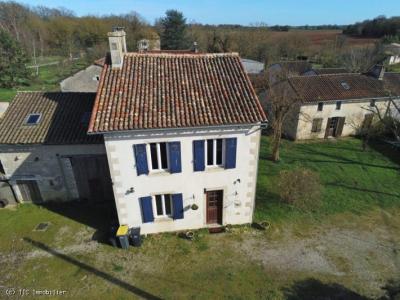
pixel 29 191
pixel 214 207
pixel 334 127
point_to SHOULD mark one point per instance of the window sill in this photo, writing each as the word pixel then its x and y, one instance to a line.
pixel 159 172
pixel 214 168
pixel 163 220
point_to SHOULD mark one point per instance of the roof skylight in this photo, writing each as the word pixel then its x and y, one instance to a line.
pixel 33 119
pixel 345 85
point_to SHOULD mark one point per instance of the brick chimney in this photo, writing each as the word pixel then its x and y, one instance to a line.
pixel 117 42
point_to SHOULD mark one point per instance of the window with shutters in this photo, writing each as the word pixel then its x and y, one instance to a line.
pixel 162 205
pixel 214 154
pixel 158 156
pixel 316 125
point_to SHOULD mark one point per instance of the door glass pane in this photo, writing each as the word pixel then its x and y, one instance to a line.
pixel 168 204
pixel 153 152
pixel 164 159
pixel 210 152
pixel 219 152
pixel 159 205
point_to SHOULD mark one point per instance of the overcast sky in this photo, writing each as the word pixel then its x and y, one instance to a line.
pixel 282 12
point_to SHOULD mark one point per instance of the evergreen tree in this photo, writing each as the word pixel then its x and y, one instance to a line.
pixel 173 31
pixel 12 61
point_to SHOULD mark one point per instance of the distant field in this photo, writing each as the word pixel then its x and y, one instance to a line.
pixel 320 37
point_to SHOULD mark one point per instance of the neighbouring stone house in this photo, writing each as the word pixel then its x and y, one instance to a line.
pixel 393 53
pixel 45 152
pixel 181 132
pixel 86 80
pixel 337 105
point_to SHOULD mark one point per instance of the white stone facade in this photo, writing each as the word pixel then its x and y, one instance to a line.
pixel 299 124
pixel 238 184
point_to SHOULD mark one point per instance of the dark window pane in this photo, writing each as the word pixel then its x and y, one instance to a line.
pixel 320 106
pixel 219 152
pixel 168 204
pixel 153 152
pixel 159 205
pixel 164 159
pixel 338 105
pixel 33 119
pixel 210 152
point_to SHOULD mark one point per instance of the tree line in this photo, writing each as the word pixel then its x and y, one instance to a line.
pixel 376 28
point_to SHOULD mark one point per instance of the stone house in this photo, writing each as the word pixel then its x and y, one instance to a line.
pixel 337 105
pixel 181 133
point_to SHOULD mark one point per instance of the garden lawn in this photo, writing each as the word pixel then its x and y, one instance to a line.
pixel 49 78
pixel 352 180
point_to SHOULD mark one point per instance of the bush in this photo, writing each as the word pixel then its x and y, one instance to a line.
pixel 300 188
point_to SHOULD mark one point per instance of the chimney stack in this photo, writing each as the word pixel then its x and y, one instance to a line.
pixel 117 42
pixel 195 47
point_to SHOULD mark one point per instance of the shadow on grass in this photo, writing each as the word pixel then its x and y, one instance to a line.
pixel 335 184
pixel 386 150
pixel 312 289
pixel 130 288
pixel 100 216
pixel 336 159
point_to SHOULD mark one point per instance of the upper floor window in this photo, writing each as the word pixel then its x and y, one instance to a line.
pixel 163 205
pixel 159 156
pixel 338 105
pixel 320 106
pixel 372 103
pixel 33 119
pixel 214 153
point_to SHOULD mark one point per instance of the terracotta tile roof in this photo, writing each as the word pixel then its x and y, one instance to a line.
pixel 325 71
pixel 60 122
pixel 337 87
pixel 392 82
pixel 165 90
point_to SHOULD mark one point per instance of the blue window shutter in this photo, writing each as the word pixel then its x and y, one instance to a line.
pixel 198 155
pixel 175 157
pixel 141 159
pixel 230 153
pixel 147 209
pixel 177 200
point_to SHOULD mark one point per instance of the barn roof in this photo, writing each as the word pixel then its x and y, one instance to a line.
pixel 62 119
pixel 170 90
pixel 338 87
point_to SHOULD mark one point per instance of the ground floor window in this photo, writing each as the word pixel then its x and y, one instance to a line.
pixel 163 205
pixel 316 125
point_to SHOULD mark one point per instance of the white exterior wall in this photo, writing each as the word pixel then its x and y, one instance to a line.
pixel 46 165
pixel 239 197
pixel 354 112
pixel 394 59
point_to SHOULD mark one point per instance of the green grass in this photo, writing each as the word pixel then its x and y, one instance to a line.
pixel 352 180
pixel 394 68
pixel 48 79
pixel 210 266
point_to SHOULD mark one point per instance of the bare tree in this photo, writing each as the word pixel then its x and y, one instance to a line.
pixel 281 103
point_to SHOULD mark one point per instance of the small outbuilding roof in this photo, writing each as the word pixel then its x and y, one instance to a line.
pixel 174 90
pixel 51 118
